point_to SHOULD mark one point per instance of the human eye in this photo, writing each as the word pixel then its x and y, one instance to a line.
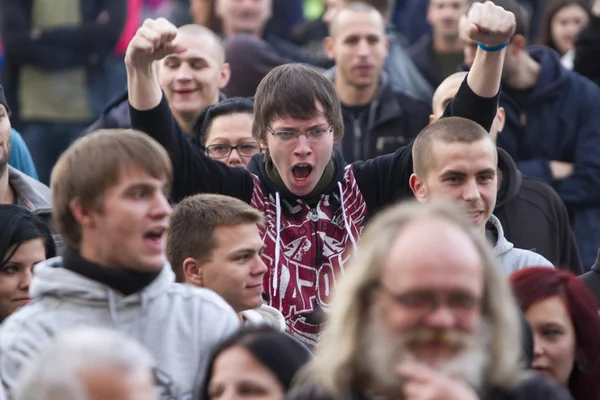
pixel 552 333
pixel 248 147
pixel 285 135
pixel 9 269
pixel 218 149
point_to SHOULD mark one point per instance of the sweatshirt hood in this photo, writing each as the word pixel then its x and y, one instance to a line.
pixel 257 167
pixel 512 179
pixel 266 315
pixel 52 280
pixel 502 246
pixel 31 192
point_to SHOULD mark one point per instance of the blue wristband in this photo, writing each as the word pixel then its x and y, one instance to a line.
pixel 495 48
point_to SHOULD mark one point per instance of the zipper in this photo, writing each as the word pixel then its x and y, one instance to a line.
pixel 357 139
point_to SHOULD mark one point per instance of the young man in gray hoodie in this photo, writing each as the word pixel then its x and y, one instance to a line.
pixel 456 158
pixel 111 209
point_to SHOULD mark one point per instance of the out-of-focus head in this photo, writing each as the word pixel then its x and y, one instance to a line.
pixel 443 16
pixel 446 92
pixel 257 360
pixel 109 196
pixel 517 43
pixel 225 131
pixel 191 80
pixel 24 241
pixel 561 24
pixel 426 284
pixel 297 119
pixel 5 142
pixel 384 7
pixel 89 364
pixel 244 16
pixel 214 242
pixel 358 44
pixel 563 316
pixel 203 13
pixel 455 159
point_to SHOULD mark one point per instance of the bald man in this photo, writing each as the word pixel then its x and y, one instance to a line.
pixel 191 80
pixel 531 213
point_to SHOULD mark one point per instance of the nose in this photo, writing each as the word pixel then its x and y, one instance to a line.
pixel 363 48
pixel 234 159
pixel 261 267
pixel 161 207
pixel 471 191
pixel 25 279
pixel 441 318
pixel 184 72
pixel 302 146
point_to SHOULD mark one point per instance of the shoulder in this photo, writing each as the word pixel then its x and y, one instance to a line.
pixel 537 388
pixel 539 193
pixel 527 258
pixel 196 297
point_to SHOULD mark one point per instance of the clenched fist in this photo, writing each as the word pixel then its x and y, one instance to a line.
pixel 153 41
pixel 489 24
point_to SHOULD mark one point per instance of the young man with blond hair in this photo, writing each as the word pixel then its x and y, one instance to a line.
pixel 109 191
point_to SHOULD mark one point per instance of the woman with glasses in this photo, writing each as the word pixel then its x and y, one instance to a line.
pixel 224 131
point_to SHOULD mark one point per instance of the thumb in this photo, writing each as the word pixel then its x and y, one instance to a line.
pixel 472 30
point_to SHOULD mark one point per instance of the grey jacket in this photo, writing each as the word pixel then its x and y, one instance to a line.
pixel 178 323
pixel 512 259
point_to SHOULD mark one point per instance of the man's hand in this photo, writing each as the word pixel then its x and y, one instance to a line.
pixel 489 24
pixel 153 41
pixel 423 383
pixel 561 170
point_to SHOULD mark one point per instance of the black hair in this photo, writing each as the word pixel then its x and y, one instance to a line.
pixel 279 352
pixel 203 121
pixel 17 226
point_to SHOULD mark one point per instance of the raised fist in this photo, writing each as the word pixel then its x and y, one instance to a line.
pixel 153 41
pixel 489 24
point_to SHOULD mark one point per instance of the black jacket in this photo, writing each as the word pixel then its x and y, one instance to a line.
pixel 592 279
pixel 534 388
pixel 422 55
pixel 534 217
pixel 587 51
pixel 392 120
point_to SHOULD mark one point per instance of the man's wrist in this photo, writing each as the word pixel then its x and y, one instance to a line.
pixel 492 49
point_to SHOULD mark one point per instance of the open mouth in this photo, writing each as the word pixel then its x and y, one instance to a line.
pixel 155 235
pixel 301 172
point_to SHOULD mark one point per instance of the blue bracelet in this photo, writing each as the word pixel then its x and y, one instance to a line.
pixel 495 48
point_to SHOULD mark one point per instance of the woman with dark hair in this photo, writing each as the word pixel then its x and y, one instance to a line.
pixel 257 362
pixel 561 24
pixel 566 328
pixel 224 131
pixel 24 241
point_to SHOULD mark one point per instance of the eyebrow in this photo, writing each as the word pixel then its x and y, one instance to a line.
pixel 321 125
pixel 188 59
pixel 462 174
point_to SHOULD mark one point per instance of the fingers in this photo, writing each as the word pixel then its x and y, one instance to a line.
pixel 494 24
pixel 153 41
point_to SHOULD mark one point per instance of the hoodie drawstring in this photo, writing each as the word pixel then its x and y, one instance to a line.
pixel 112 307
pixel 277 245
pixel 346 224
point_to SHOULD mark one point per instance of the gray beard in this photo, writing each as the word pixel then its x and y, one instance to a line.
pixel 381 351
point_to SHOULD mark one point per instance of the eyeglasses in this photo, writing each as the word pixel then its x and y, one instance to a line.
pixel 313 135
pixel 247 149
pixel 427 302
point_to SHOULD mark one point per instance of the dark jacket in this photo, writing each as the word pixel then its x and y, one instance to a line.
pixel 592 278
pixel 86 45
pixel 560 120
pixel 534 388
pixel 422 55
pixel 307 240
pixel 534 217
pixel 587 51
pixel 392 119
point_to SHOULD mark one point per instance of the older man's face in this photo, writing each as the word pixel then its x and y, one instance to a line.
pixel 431 289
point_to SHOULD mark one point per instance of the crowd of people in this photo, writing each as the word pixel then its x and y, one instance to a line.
pixel 299 199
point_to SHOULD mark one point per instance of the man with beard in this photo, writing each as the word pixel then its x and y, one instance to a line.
pixel 456 159
pixel 16 187
pixel 423 312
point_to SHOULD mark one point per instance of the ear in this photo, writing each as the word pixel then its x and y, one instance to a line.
pixel 225 75
pixel 417 185
pixel 500 118
pixel 81 215
pixel 193 272
pixel 432 119
pixel 328 41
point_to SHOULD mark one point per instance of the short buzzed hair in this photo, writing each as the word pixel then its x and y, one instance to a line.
pixel 356 6
pixel 437 95
pixel 193 224
pixel 204 32
pixel 447 130
pixel 384 7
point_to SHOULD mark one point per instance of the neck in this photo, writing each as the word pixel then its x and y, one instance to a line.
pixel 445 44
pixel 525 75
pixel 7 195
pixel 88 251
pixel 350 95
pixel 229 32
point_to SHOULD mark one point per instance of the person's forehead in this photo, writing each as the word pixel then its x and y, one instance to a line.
pixel 233 238
pixel 478 154
pixel 289 122
pixel 350 22
pixel 197 46
pixel 431 251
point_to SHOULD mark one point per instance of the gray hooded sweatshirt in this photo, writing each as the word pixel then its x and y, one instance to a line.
pixel 179 324
pixel 512 259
